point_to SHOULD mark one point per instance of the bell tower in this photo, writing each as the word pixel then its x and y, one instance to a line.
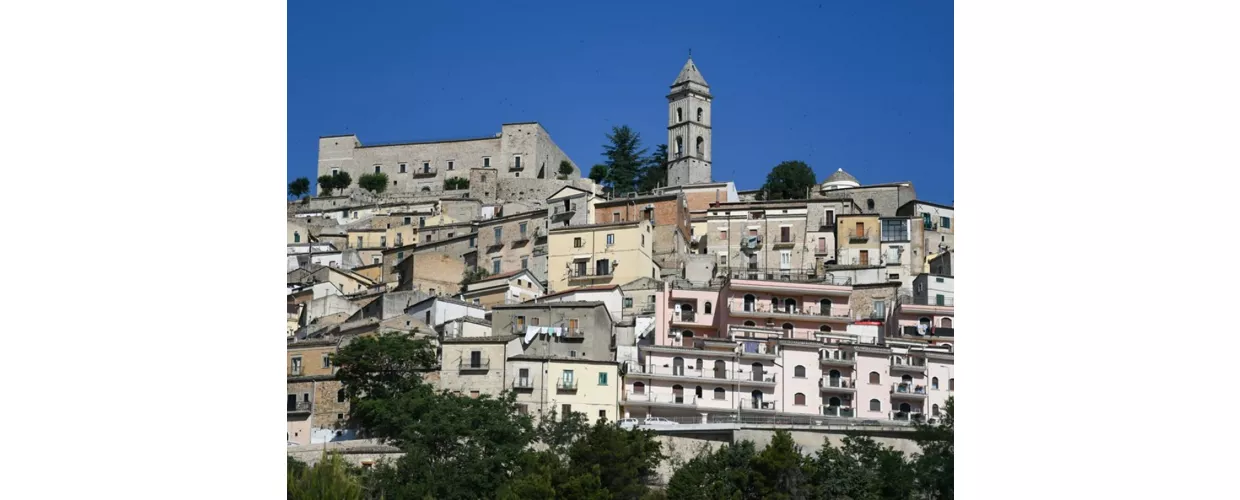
pixel 688 128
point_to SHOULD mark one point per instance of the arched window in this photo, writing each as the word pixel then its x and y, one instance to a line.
pixel 876 405
pixel 679 116
pixel 790 305
pixel 750 323
pixel 924 324
pixel 719 393
pixel 951 384
pixel 798 372
pixel 824 329
pixel 907 379
pixel 697 364
pixel 678 393
pixel 340 396
pixel 934 410
pixel 874 377
pixel 869 203
pixel 934 383
pixel 757 371
pixel 721 370
pixel 426 189
pixel 798 399
pixel 834 401
pixel 639 388
pixel 749 302
pixel 905 407
pixel 756 395
pixel 699 116
pixel 824 307
pixel 697 392
pixel 834 375
pixel 898 361
pixel 946 322
pixel 706 308
pixel 788 329
pixel 296 237
pixel 680 146
pixel 699 143
pixel 678 366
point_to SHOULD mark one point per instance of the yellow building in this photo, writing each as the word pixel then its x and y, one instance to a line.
pixel 612 253
pixel 310 358
pixel 858 240
pixel 562 385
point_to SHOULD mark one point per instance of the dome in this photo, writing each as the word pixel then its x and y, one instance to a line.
pixel 840 179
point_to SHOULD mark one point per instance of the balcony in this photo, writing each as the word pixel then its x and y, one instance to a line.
pixel 908 391
pixel 574 333
pixel 589 273
pixel 673 373
pixel 299 407
pixel 757 404
pixel 561 212
pixel 664 399
pixel 825 359
pixel 812 312
pixel 907 416
pixel 863 236
pixel 540 251
pixel 756 379
pixel 566 385
pixel 480 365
pixel 425 172
pixel 826 223
pixel 296 371
pixel 523 384
pixel 937 300
pixel 837 385
pixel 684 317
pixel 911 367
pixel 782 244
pixel 647 309
pixel 823 250
pixel 838 411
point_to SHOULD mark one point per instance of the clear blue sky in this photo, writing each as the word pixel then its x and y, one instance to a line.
pixel 863 86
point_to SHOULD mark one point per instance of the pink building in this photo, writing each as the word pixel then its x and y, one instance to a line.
pixel 806 311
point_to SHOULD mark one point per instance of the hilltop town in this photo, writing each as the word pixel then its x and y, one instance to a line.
pixel 691 302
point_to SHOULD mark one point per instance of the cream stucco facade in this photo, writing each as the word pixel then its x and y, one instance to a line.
pixel 600 254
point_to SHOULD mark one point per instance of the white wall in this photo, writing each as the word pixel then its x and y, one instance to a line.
pixel 443 312
pixel 612 299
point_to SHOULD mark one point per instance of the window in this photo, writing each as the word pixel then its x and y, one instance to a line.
pixel 525 263
pixel 615 216
pixel 377 169
pixel 566 410
pixel 946 322
pixel 335 171
pixel 296 237
pixel 697 392
pixel 699 144
pixel 516 161
pixel 639 388
pixel 869 203
pixel 934 410
pixel 495 266
pixel 297 365
pixel 602 414
pixel 824 329
pixel 874 378
pixel 946 222
pixel 611 239
pixel 523 409
pixel 602 267
pixel 876 405
pixel 578 243
pixel 679 147
pixel 451 164
pixel 486 163
pixel 473 242
pixel 798 372
pixel 643 241
pixel 327 360
pixel 750 323
pixel 340 396
pixel 474 394
pixel 426 166
pixel 785 259
pixel 421 221
pixel 679 116
pixel 951 384
pixel 785 234
pixel 723 259
pixel 375 259
pixel 934 383
pixel 359 242
pixel 383 241
pixel 787 327
pixel 880 308
pixel 499 235
pixel 521 228
pixel 404 167
pixel 706 308
pixel 534 321
pixel 602 378
pixel 719 393
pixel 628 302
pixel 520 322
pixel 723 234
pixel 939 299
pixel 699 115
pixel 799 399
pixel 895 230
pixel 572 324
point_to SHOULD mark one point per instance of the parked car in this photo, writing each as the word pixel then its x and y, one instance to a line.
pixel 628 423
pixel 658 421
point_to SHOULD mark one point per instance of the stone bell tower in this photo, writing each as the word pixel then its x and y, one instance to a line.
pixel 688 128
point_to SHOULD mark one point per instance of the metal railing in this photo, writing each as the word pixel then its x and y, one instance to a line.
pixel 300 406
pixel 685 317
pixel 647 309
pixel 589 273
pixel 809 310
pixel 574 333
pixel 826 359
pixel 296 371
pixel 826 223
pixel 515 165
pixel 918 390
pixel 566 385
pixel 752 419
pixel 663 398
pixel 687 372
pixel 836 383
pixel 757 404
pixel 906 416
pixel 426 172
pixel 469 364
pixel 804 275
pixel 560 209
pixel 862 236
pixel 522 383
pixel 928 301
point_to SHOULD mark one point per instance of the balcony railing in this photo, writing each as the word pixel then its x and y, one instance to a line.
pixel 836 383
pixel 906 416
pixel 826 223
pixel 647 309
pixel 561 210
pixel 685 317
pixel 838 411
pixel 574 333
pixel 299 406
pixel 523 383
pixel 566 385
pixel 589 273
pixel 809 311
pixel 928 301
pixel 296 371
pixel 687 372
pixel 790 243
pixel 908 390
pixel 425 172
pixel 757 404
pixel 805 275
pixel 661 398
pixel 862 236
pixel 469 365
pixel 912 367
pixel 825 359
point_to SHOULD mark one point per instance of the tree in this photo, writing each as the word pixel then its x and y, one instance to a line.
pixel 474 275
pixel 330 478
pixel 788 181
pixel 566 169
pixel 599 175
pixel 327 184
pixel 299 187
pixel 780 469
pixel 624 158
pixel 726 473
pixel 341 180
pixel 654 173
pixel 456 183
pixel 935 464
pixel 375 183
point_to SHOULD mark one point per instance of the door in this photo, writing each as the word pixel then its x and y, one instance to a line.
pixel 822 245
pixel 757 372
pixel 292 402
pixel 864 258
pixel 678 393
pixel 860 231
pixel 523 378
pixel 721 370
pixel 475 359
pixel 678 366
